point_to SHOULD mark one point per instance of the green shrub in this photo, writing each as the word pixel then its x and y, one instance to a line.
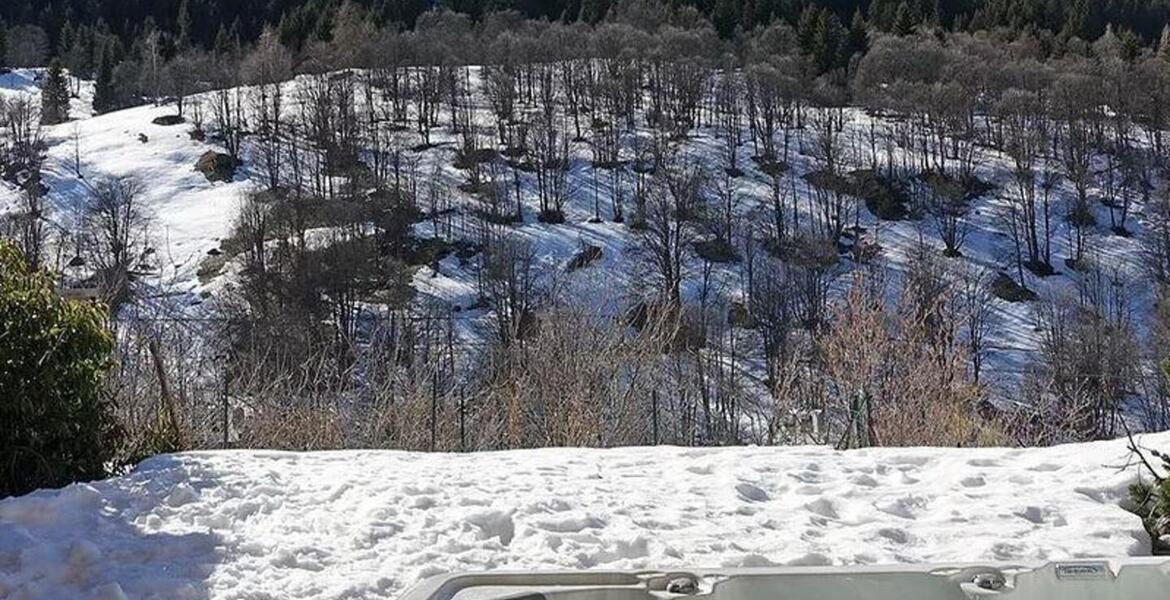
pixel 1151 499
pixel 54 356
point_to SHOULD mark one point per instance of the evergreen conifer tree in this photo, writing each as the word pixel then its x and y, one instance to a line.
pixel 858 34
pixel 593 11
pixel 828 48
pixel 66 40
pixel 1131 46
pixel 806 28
pixel 880 13
pixel 1076 21
pixel 55 95
pixel 725 16
pixel 103 96
pixel 903 20
pixel 227 42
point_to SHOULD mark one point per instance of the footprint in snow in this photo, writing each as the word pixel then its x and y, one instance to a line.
pixel 750 493
pixel 700 469
pixel 894 534
pixel 864 481
pixel 907 507
pixel 823 507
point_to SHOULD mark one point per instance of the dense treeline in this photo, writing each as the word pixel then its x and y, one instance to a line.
pixel 92 27
pixel 192 21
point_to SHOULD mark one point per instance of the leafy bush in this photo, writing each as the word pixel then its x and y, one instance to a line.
pixel 1151 500
pixel 54 356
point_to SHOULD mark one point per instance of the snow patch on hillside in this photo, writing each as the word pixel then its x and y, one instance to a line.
pixel 189 215
pixel 367 524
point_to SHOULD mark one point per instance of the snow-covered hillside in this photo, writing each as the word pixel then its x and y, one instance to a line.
pixel 191 216
pixel 188 215
pixel 367 524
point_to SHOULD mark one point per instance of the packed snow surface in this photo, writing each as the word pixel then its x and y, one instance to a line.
pixel 368 524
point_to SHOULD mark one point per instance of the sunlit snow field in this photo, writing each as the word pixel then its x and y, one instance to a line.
pixel 368 524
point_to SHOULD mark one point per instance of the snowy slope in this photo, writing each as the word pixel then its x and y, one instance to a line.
pixel 367 524
pixel 188 214
pixel 191 216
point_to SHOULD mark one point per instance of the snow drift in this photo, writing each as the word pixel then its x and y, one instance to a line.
pixel 367 524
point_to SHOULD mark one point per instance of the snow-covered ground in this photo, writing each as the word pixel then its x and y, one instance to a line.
pixel 368 524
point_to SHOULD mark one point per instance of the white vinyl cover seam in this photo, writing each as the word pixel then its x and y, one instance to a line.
pixel 1129 579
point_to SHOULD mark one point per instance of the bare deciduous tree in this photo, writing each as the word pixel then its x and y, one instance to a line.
pixel 115 233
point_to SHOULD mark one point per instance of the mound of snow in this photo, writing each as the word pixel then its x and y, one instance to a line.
pixel 367 524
